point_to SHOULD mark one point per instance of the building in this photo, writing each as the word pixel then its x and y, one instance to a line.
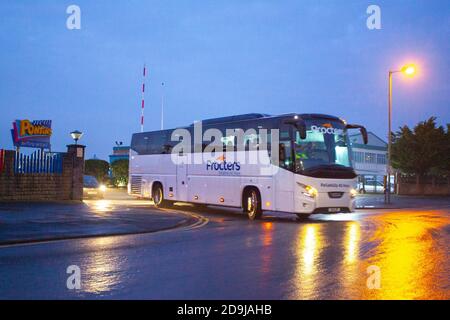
pixel 370 161
pixel 119 152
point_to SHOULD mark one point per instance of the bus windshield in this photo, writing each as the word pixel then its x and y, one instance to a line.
pixel 326 144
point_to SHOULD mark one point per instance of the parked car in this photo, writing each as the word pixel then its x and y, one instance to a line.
pixel 93 189
pixel 369 186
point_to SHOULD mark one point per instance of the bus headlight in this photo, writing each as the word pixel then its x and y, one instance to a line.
pixel 310 191
pixel 102 188
pixel 353 193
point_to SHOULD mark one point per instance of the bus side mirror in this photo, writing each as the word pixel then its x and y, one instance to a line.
pixel 361 129
pixel 300 125
pixel 364 135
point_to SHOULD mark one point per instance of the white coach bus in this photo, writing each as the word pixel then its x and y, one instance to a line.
pixel 304 166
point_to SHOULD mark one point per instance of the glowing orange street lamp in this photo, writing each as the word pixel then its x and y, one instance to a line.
pixel 408 70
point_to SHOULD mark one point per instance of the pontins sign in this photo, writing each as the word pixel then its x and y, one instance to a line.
pixel 33 134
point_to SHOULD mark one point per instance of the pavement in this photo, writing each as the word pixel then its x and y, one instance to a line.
pixel 376 201
pixel 25 222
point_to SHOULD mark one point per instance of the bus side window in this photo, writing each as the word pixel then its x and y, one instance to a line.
pixel 282 152
pixel 229 143
pixel 285 155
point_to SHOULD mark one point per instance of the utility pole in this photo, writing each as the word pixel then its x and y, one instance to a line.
pixel 143 100
pixel 162 106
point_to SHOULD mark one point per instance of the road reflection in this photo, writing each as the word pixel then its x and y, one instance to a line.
pixel 268 233
pixel 409 248
pixel 309 246
pixel 102 269
pixel 411 256
pixel 351 242
pixel 350 277
pixel 102 206
pixel 309 249
pixel 267 248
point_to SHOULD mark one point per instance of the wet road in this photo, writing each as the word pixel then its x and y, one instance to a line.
pixel 372 254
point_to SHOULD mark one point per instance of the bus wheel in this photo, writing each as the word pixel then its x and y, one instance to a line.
pixel 253 204
pixel 158 196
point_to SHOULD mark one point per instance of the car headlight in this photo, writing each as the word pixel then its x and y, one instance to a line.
pixel 353 193
pixel 310 191
pixel 102 188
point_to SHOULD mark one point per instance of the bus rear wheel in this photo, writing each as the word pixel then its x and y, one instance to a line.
pixel 158 196
pixel 252 204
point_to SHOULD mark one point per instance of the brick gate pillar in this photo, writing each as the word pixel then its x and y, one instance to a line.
pixel 76 154
pixel 9 162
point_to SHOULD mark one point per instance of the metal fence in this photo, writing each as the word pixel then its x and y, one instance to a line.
pixel 38 162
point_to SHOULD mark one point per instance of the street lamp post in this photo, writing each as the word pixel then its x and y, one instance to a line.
pixel 408 70
pixel 76 135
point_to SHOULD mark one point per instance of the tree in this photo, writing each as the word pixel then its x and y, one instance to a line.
pixel 97 168
pixel 446 165
pixel 120 172
pixel 423 150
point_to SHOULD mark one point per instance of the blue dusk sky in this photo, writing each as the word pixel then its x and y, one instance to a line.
pixel 217 58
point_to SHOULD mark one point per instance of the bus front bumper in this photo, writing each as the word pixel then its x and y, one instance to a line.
pixel 324 203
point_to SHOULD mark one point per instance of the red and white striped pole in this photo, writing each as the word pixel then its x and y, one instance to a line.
pixel 143 101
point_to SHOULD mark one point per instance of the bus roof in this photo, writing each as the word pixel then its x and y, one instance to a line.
pixel 251 116
pixel 255 116
pixel 240 117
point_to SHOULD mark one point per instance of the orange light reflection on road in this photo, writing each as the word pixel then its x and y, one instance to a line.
pixel 408 256
pixel 267 250
pixel 352 237
pixel 351 274
pixel 308 248
pixel 267 234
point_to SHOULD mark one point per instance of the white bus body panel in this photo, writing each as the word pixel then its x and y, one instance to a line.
pixel 284 189
pixel 182 183
pixel 153 168
pixel 280 189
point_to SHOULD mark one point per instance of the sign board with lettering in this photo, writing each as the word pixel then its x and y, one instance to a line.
pixel 33 134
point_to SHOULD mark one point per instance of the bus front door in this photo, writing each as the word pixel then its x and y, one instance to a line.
pixel 182 191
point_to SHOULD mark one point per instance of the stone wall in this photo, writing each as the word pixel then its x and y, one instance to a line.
pixel 67 185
